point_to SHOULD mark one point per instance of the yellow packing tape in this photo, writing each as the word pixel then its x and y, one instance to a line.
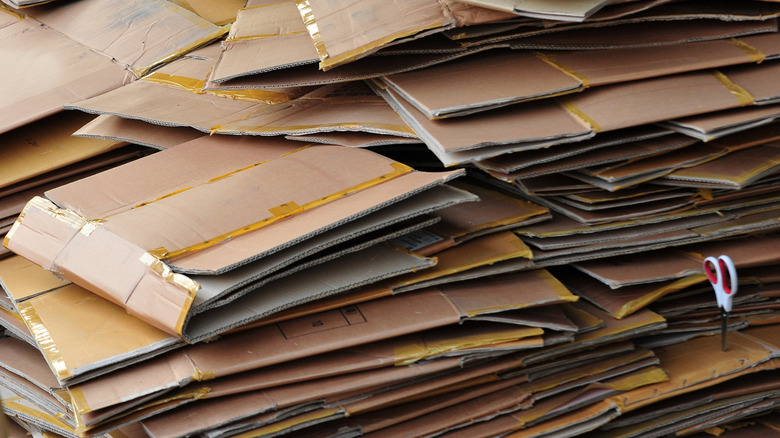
pixel 550 59
pixel 743 96
pixel 755 55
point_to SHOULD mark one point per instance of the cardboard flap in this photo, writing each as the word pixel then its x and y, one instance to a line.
pixel 265 37
pixel 137 34
pixel 34 92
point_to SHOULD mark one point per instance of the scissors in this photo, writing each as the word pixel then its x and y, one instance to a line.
pixel 723 277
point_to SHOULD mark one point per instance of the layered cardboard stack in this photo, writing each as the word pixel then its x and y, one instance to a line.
pixel 342 218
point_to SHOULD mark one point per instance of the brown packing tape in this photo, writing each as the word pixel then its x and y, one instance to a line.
pixel 398 170
pixel 743 96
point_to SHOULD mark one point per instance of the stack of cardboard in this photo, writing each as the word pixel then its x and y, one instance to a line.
pixel 341 218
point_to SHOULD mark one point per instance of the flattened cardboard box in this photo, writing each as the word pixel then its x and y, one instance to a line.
pixel 68 52
pixel 141 222
pixel 305 336
pixel 518 76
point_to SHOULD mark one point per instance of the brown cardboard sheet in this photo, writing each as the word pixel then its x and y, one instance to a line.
pixel 15 196
pixel 24 360
pixel 625 212
pixel 543 289
pixel 137 132
pixel 265 37
pixel 602 157
pixel 167 105
pixel 716 125
pixel 626 300
pixel 306 75
pixel 561 11
pixel 516 76
pixel 760 220
pixel 474 253
pixel 159 32
pixel 13 325
pixel 23 371
pixel 647 267
pixel 375 355
pixel 583 201
pixel 49 70
pixel 733 171
pixel 607 107
pixel 190 70
pixel 509 163
pixel 322 110
pixel 27 412
pixel 497 211
pixel 577 410
pixel 520 127
pixel 290 395
pixel 295 339
pixel 480 406
pixel 355 139
pixel 632 33
pixel 372 421
pixel 77 331
pixel 600 109
pixel 22 279
pixel 631 173
pixel 220 13
pixel 580 240
pixel 304 220
pixel 745 355
pixel 338 107
pixel 338 29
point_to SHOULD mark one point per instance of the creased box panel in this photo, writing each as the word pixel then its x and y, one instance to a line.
pixel 48 71
pixel 137 132
pixel 534 121
pixel 167 172
pixel 251 198
pixel 344 273
pixel 47 145
pixel 349 237
pixel 658 99
pixel 347 30
pixel 303 225
pixel 514 76
pixel 138 34
pixel 167 105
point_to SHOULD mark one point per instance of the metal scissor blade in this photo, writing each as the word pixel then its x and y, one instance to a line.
pixel 724 321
